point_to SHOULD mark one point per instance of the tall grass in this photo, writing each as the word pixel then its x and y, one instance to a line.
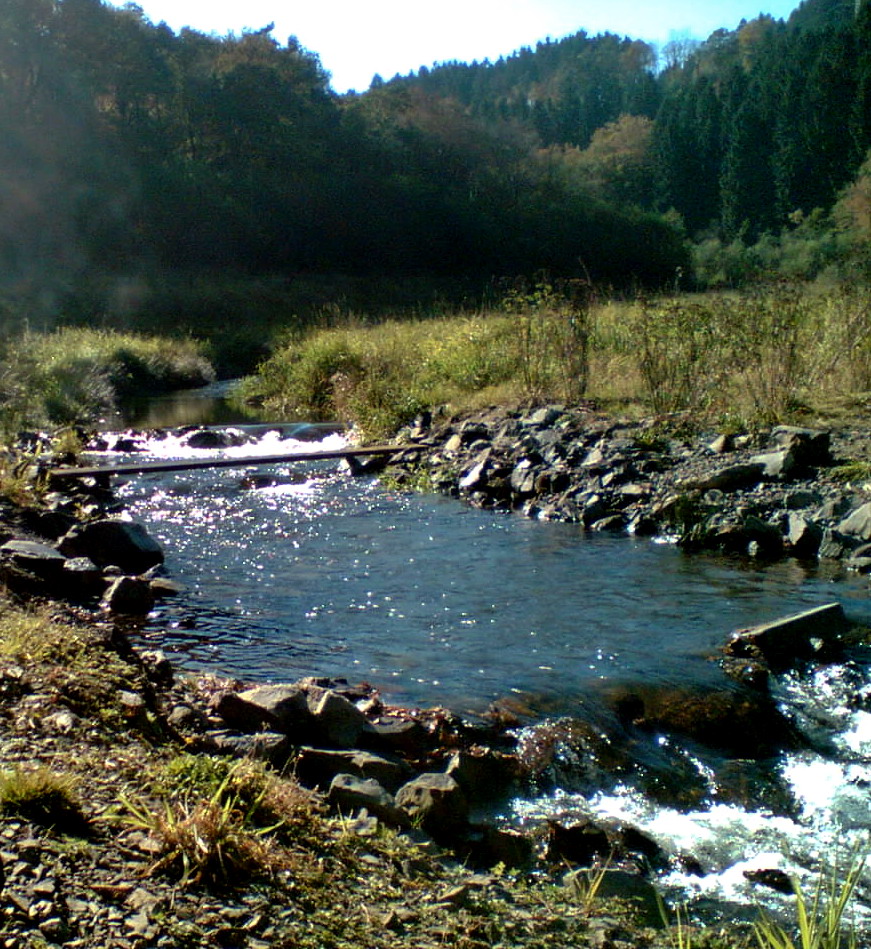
pixel 760 357
pixel 820 917
pixel 380 376
pixel 75 374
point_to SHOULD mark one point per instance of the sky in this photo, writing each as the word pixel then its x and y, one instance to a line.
pixel 355 39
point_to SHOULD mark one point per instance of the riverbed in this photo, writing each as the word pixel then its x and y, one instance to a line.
pixel 435 602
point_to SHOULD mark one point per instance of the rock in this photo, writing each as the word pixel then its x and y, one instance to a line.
pixel 40 559
pixel 523 479
pixel 336 718
pixel 733 478
pixel 82 575
pixel 743 723
pixel 437 802
pixel 783 642
pixel 583 843
pixel 404 736
pixel 316 767
pixel 803 536
pixel 810 448
pixel 162 588
pixel 834 545
pixel 484 774
pixel 214 438
pixel 126 544
pixel 774 879
pixel 282 707
pixel 802 498
pixel 776 464
pixel 857 524
pixel 129 595
pixel 349 794
pixel 475 477
pixel 272 747
pixel 487 846
pixel 722 444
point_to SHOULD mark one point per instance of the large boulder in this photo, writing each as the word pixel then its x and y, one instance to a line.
pixel 112 540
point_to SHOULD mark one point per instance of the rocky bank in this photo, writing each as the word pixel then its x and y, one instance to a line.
pixel 427 775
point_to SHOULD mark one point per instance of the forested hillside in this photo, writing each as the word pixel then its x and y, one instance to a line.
pixel 129 153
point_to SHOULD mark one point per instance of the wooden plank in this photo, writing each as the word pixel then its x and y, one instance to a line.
pixel 192 464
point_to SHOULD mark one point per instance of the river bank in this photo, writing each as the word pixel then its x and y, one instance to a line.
pixel 138 808
pixel 191 715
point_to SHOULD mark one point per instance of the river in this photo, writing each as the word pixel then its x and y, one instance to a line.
pixel 435 602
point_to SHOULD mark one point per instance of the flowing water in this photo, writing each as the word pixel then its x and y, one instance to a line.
pixel 434 602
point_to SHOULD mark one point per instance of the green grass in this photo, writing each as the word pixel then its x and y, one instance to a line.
pixel 762 357
pixel 43 797
pixel 820 917
pixel 73 375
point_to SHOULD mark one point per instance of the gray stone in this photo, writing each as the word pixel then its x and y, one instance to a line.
pixel 484 774
pixel 405 736
pixel 318 766
pixel 126 544
pixel 285 707
pixel 350 794
pixel 336 718
pixel 437 801
pixel 212 438
pixel 802 498
pixel 809 447
pixel 475 477
pixel 835 545
pixel 784 641
pixel 733 478
pixel 264 746
pixel 722 444
pixel 803 536
pixel 129 595
pixel 776 464
pixel 41 559
pixel 858 523
pixel 523 478
pixel 163 588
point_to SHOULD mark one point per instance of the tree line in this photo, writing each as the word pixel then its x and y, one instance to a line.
pixel 128 151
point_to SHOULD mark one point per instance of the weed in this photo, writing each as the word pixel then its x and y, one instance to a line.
pixel 34 635
pixel 44 797
pixel 210 842
pixel 679 932
pixel 852 471
pixel 819 918
pixel 584 885
pixel 75 374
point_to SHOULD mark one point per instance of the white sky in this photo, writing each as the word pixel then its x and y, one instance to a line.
pixel 357 38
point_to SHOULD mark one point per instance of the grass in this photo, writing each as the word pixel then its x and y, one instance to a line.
pixel 820 918
pixel 35 635
pixel 219 823
pixel 43 797
pixel 76 374
pixel 756 358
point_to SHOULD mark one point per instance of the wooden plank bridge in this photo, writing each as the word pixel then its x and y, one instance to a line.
pixel 191 464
